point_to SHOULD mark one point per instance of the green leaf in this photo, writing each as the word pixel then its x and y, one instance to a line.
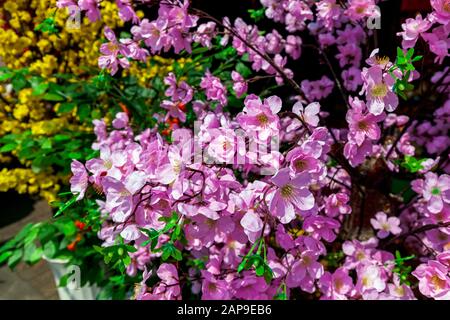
pixel 40 89
pixel 243 69
pixel 66 205
pixel 8 147
pixel 14 259
pixel 50 249
pixel 52 97
pixel 176 254
pixel 260 270
pixel 5 256
pixel 66 107
pixel 6 76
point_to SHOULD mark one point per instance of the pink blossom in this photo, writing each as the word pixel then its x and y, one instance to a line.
pixel 352 78
pixel 259 118
pixel 378 86
pixel 370 277
pixel 310 114
pixel 205 33
pixel 412 29
pixel 322 227
pixel 385 225
pixel 304 271
pixel 79 180
pixel 92 8
pixel 114 53
pixel 434 189
pixel 337 204
pixel 358 9
pixel 214 88
pixel 441 11
pixel 293 46
pixel 239 84
pixel 213 288
pixel 317 90
pixel 336 286
pixel 291 195
pixel 434 281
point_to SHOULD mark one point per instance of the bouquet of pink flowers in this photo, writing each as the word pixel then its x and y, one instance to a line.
pixel 293 160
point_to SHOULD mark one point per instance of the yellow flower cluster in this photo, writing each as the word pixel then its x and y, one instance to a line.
pixel 24 180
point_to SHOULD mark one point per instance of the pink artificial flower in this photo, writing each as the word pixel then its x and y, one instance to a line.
pixel 79 181
pixel 92 8
pixel 260 118
pixel 385 225
pixel 438 42
pixel 205 33
pixel 441 11
pixel 321 227
pixel 214 88
pixel 111 51
pixel 213 288
pixel 434 281
pixel 304 271
pixel 362 125
pixel 239 84
pixel 310 114
pixel 412 29
pixel 352 78
pixel 293 46
pixel 291 195
pixel 119 194
pixel 337 285
pixel 317 90
pixel 178 91
pixel 252 224
pixel 337 204
pixel 358 9
pixel 434 189
pixel 370 278
pixel 378 86
pixel 349 54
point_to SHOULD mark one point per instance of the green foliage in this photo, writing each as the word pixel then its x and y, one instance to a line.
pixel 281 292
pixel 256 15
pixel 258 261
pixel 48 25
pixel 117 255
pixel 412 164
pixel 173 228
pixel 401 269
pixel 404 63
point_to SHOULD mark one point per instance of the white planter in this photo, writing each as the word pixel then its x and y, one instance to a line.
pixel 60 268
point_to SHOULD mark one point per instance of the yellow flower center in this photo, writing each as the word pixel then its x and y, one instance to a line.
pixel 379 90
pixel 287 191
pixel 300 164
pixel 113 47
pixel 438 282
pixel 262 119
